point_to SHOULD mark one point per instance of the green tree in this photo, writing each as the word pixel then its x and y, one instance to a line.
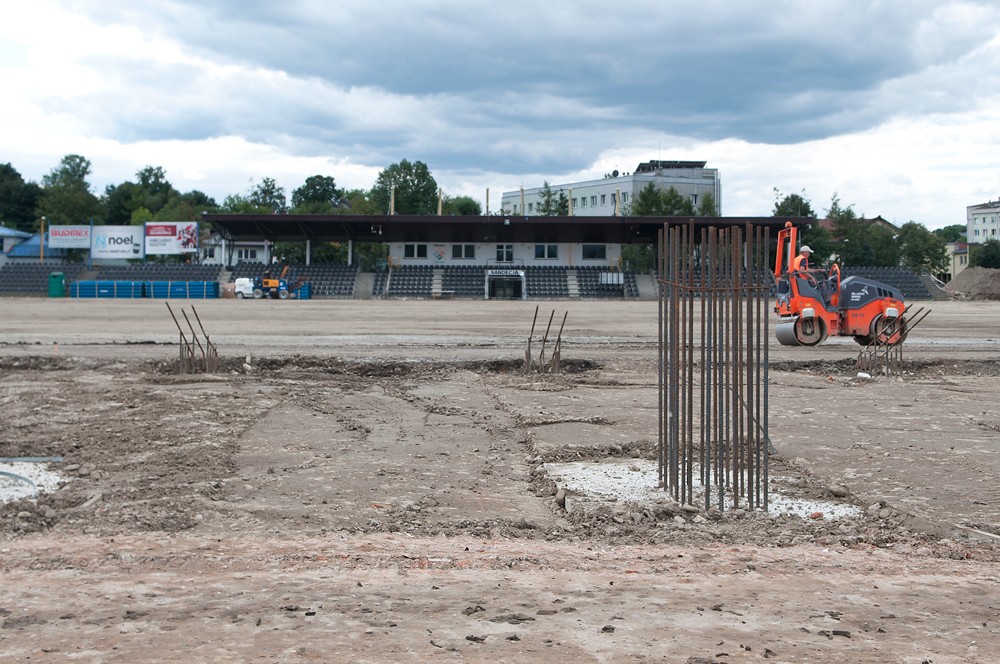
pixel 238 204
pixel 638 258
pixel 186 207
pixel 267 196
pixel 151 191
pixel 18 199
pixel 647 202
pixel 707 206
pixel 120 201
pixel 654 202
pixel 952 233
pixel 141 216
pixel 847 233
pixel 884 243
pixel 676 205
pixel 920 249
pixel 154 188
pixel 370 256
pixel 819 240
pixel 416 191
pixel 562 204
pixel 461 206
pixel 318 195
pixel 858 241
pixel 66 196
pixel 73 170
pixel 986 254
pixel 548 201
pixel 325 252
pixel 358 201
pixel 792 205
pixel 367 255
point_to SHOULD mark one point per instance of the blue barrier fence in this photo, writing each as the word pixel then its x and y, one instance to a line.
pixel 198 290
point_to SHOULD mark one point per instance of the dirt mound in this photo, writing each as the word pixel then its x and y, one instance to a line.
pixel 975 283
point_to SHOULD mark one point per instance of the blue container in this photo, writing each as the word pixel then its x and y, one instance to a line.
pixel 123 289
pixel 178 289
pixel 105 289
pixel 304 292
pixel 86 289
pixel 159 289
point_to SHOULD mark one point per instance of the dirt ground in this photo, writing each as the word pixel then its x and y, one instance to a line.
pixel 364 481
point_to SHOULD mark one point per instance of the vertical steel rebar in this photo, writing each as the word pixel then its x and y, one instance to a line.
pixel 765 287
pixel 706 371
pixel 660 278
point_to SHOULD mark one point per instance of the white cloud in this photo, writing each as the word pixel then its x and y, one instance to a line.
pixel 891 105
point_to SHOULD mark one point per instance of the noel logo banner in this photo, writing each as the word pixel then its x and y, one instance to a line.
pixel 116 242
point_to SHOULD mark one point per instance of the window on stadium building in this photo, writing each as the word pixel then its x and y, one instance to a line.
pixel 505 253
pixel 546 251
pixel 414 251
pixel 463 251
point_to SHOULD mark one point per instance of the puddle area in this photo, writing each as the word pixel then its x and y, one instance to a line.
pixel 21 479
pixel 635 481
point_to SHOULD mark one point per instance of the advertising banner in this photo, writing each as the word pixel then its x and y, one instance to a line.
pixel 171 237
pixel 69 237
pixel 117 242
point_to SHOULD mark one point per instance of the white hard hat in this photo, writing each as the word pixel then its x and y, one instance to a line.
pixel 805 248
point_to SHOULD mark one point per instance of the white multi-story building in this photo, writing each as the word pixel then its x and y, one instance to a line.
pixel 983 222
pixel 612 196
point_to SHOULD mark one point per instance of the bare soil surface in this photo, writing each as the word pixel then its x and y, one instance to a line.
pixel 975 283
pixel 365 481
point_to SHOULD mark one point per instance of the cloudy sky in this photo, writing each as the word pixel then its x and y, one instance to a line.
pixel 894 105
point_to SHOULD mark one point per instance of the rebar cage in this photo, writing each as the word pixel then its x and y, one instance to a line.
pixel 714 287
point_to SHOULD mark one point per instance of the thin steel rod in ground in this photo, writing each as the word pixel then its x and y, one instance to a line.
pixel 212 362
pixel 541 355
pixel 557 348
pixel 194 335
pixel 186 348
pixel 527 353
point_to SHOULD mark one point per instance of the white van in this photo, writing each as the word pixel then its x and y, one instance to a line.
pixel 244 288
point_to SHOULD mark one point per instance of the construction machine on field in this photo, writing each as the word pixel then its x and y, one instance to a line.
pixel 266 286
pixel 812 304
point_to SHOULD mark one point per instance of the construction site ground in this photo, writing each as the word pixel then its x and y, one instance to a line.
pixel 365 481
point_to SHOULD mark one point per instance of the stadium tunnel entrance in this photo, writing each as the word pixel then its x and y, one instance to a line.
pixel 505 285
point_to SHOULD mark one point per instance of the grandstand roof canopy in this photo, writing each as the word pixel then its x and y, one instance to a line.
pixel 468 229
pixel 12 232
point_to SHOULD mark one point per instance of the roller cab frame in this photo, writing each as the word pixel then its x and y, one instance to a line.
pixel 816 303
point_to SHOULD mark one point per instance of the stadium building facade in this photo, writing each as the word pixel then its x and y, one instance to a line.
pixel 613 195
pixel 983 222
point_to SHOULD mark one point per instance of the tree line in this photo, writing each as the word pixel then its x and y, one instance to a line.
pixel 852 240
pixel 65 196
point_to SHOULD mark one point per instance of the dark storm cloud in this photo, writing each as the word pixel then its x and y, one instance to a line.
pixel 531 87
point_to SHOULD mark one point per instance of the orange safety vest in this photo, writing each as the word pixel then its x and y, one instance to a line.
pixel 800 262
